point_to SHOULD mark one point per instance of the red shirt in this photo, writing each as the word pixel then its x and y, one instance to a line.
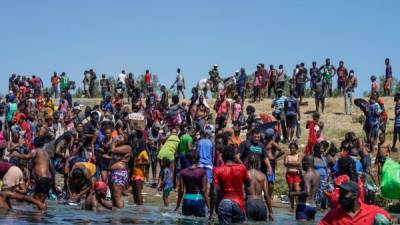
pixel 147 78
pixel 230 178
pixel 365 216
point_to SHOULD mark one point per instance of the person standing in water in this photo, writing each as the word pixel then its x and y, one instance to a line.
pixel 258 188
pixel 192 188
pixel 306 207
pixel 292 163
pixel 228 182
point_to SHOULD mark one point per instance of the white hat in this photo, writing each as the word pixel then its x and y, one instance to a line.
pixel 215 65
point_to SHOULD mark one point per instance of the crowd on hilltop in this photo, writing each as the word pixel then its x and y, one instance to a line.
pixel 220 159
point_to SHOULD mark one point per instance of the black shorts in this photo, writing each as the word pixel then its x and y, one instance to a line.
pixel 256 210
pixel 43 185
pixel 300 90
pixel 291 121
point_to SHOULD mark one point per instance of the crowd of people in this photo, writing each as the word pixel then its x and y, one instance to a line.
pixel 225 167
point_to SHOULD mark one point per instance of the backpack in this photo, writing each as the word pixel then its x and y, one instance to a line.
pixel 291 106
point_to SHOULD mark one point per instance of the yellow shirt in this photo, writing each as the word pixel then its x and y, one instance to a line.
pixel 91 167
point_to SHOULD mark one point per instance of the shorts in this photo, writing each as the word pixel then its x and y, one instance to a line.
pixel 300 90
pixel 293 178
pixel 305 211
pixel 13 177
pixel 43 185
pixel 166 192
pixel 229 212
pixel 256 210
pixel 194 205
pixel 271 178
pixel 220 122
pixel 119 177
pixel 291 121
pixel 209 173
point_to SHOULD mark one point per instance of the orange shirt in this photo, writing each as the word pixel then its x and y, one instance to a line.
pixel 138 170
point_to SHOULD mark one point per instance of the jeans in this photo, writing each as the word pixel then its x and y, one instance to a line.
pixel 229 212
pixel 348 102
pixel 240 91
pixel 104 93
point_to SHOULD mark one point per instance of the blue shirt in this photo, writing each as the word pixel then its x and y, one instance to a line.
pixel 205 148
pixel 279 103
pixel 242 80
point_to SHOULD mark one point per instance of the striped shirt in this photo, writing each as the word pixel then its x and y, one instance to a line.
pixel 397 113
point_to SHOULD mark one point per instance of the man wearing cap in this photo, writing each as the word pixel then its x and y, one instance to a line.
pixel 97 198
pixel 222 108
pixel 353 211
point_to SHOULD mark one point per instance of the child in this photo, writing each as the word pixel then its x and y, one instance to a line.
pixel 292 163
pixel 396 130
pixel 236 111
pixel 165 182
pixel 383 153
pixel 138 173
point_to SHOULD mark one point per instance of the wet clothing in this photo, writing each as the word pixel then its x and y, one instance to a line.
pixel 256 210
pixel 229 212
pixel 305 211
pixel 193 205
pixel 43 185
pixel 119 177
pixel 193 179
pixel 230 178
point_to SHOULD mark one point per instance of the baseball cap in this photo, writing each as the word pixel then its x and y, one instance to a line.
pixel 350 186
pixel 269 132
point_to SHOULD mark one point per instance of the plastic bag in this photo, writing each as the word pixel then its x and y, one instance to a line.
pixel 390 181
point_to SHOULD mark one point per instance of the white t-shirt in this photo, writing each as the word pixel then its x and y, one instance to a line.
pixel 121 78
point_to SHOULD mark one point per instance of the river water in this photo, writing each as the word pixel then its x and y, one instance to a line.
pixel 148 214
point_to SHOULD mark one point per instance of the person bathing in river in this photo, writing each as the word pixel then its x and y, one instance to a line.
pixel 118 178
pixel 81 180
pixel 255 191
pixel 97 198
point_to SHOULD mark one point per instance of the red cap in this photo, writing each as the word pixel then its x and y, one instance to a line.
pixel 100 186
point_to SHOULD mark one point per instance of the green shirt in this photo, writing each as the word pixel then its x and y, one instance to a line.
pixel 185 141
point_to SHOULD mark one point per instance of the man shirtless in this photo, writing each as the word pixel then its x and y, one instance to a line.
pixel 306 207
pixel 255 205
pixel 41 174
pixel 274 152
pixel 7 196
pixel 383 153
pixel 97 198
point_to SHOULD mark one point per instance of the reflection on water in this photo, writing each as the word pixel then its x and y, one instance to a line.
pixel 149 214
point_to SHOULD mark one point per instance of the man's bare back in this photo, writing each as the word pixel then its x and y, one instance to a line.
pixel 257 180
